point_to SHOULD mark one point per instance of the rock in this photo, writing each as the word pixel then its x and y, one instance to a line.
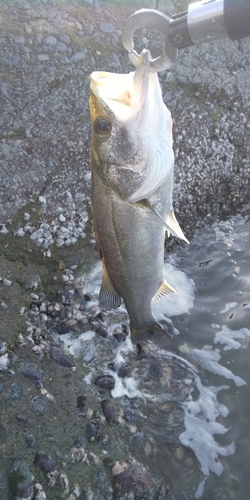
pixel 44 462
pixel 32 371
pixel 20 481
pixel 107 27
pixel 134 476
pixel 15 391
pixel 108 410
pixel 105 381
pixel 64 38
pixel 30 440
pixel 39 403
pixel 78 56
pixel 61 358
pixel 50 40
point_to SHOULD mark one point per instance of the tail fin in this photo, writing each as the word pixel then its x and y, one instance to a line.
pixel 138 334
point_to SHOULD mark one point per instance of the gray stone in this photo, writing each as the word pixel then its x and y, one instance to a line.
pixel 19 39
pixel 115 60
pixel 42 57
pixel 50 40
pixel 38 68
pixel 39 38
pixel 64 38
pixel 78 56
pixel 61 47
pixel 107 27
pixel 14 60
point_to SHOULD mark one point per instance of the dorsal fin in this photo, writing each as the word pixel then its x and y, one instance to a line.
pixel 109 298
pixel 163 290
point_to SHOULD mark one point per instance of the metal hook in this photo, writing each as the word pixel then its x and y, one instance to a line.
pixel 149 18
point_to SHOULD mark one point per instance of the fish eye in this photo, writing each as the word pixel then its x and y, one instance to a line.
pixel 102 126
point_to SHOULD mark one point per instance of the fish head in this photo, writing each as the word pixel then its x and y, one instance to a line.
pixel 131 131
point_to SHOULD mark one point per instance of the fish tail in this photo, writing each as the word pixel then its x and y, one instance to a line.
pixel 138 334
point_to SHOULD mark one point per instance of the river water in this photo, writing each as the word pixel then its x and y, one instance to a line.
pixel 191 394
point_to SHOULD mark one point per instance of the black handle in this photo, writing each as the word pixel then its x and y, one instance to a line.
pixel 237 18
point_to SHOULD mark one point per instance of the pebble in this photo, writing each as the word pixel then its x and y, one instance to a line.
pixel 107 27
pixel 61 358
pixel 40 495
pixel 78 454
pixel 81 406
pixel 32 371
pixel 120 336
pixel 15 391
pixel 93 431
pixel 39 403
pixel 44 462
pixel 108 410
pixel 105 381
pixel 42 57
pixel 3 347
pixel 134 476
pixel 30 440
pixel 21 480
pixel 78 56
pixel 101 331
pixel 64 38
pixel 50 40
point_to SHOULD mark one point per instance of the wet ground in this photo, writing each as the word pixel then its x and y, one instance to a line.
pixel 48 50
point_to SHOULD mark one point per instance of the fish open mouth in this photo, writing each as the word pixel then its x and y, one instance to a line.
pixel 124 94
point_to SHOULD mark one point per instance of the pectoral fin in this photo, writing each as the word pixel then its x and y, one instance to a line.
pixel 109 298
pixel 164 290
pixel 170 224
pixel 174 226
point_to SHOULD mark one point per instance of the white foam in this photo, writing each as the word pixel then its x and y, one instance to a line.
pixel 126 386
pixel 226 336
pixel 228 306
pixel 74 345
pixel 200 423
pixel 208 358
pixel 200 490
pixel 178 303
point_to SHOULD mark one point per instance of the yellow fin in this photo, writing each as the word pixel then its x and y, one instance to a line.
pixel 164 290
pixel 109 298
pixel 174 226
pixel 171 224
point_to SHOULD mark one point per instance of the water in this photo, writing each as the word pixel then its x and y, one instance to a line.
pixel 191 394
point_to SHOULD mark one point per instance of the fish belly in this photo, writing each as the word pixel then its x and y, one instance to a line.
pixel 131 241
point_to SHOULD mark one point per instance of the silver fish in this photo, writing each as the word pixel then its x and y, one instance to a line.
pixel 132 180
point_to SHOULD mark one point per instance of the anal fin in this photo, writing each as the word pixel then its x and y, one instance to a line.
pixel 163 290
pixel 109 298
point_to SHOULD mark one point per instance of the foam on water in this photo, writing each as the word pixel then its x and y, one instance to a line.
pixel 230 305
pixel 201 425
pixel 178 303
pixel 208 359
pixel 226 337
